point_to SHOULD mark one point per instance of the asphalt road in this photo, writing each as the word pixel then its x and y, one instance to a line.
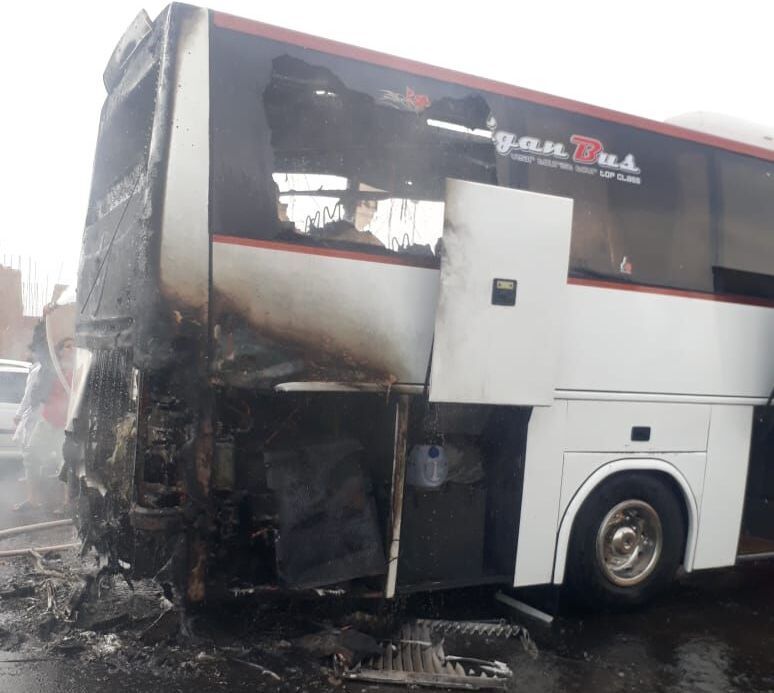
pixel 711 632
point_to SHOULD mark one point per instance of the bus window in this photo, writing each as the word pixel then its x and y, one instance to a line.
pixel 349 162
pixel 664 224
pixel 746 204
pixel 310 207
pixel 285 112
pixel 656 231
pixel 390 163
pixel 308 200
pixel 690 247
pixel 402 224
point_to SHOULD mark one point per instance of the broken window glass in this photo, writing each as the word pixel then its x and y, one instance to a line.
pixel 354 163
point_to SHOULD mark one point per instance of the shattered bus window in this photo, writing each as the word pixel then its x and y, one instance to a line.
pixel 314 205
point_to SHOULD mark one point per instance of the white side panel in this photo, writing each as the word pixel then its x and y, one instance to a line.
pixel 607 426
pixel 371 313
pixel 636 341
pixel 578 467
pixel 724 486
pixel 615 341
pixel 540 498
pixel 500 354
pixel 185 238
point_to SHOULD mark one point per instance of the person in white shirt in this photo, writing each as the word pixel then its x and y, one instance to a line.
pixel 28 415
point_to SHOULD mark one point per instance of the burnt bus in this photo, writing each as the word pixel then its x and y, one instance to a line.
pixel 348 320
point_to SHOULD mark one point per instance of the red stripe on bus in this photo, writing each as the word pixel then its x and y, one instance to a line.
pixel 431 263
pixel 248 26
pixel 680 293
pixel 405 260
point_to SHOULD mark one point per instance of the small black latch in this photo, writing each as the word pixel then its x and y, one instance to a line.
pixel 503 292
pixel 640 433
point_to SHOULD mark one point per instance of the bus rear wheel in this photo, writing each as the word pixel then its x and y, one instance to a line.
pixel 627 542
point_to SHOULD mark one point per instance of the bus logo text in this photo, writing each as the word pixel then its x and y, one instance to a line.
pixel 587 154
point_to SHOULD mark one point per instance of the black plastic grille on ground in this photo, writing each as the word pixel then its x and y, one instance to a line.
pixel 416 659
pixel 494 629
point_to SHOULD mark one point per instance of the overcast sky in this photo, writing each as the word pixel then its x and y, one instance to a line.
pixel 654 58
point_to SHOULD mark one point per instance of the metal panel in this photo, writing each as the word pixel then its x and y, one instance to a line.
pixel 376 316
pixel 541 495
pixel 579 468
pixel 673 427
pixel 398 489
pixel 185 235
pixel 728 453
pixel 500 354
pixel 328 527
pixel 636 341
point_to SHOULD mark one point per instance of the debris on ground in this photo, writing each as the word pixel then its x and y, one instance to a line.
pixel 524 608
pixel 417 658
pixel 68 606
pixel 34 528
pixel 163 627
pixel 499 628
pixel 347 646
pixel 261 669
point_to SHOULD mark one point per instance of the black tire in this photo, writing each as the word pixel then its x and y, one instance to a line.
pixel 586 579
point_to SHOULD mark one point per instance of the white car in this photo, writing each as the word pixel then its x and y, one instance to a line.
pixel 13 378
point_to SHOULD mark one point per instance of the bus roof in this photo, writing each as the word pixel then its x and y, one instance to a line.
pixel 317 43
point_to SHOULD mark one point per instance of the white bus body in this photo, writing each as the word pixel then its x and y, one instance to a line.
pixel 621 377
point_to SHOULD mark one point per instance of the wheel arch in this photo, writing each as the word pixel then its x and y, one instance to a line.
pixel 657 467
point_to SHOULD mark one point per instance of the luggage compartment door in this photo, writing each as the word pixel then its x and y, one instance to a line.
pixel 498 326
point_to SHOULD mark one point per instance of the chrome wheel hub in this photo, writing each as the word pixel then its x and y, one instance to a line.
pixel 629 542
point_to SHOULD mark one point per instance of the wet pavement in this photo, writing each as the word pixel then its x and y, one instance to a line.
pixel 711 632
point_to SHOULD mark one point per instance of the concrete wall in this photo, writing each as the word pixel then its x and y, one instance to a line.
pixel 15 329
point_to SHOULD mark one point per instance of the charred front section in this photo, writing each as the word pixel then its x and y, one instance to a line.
pixel 252 410
pixel 301 491
pixel 141 434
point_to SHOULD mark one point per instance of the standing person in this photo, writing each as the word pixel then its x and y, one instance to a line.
pixel 44 450
pixel 28 414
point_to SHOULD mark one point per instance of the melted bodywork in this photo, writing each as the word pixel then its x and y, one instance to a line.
pixel 241 416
